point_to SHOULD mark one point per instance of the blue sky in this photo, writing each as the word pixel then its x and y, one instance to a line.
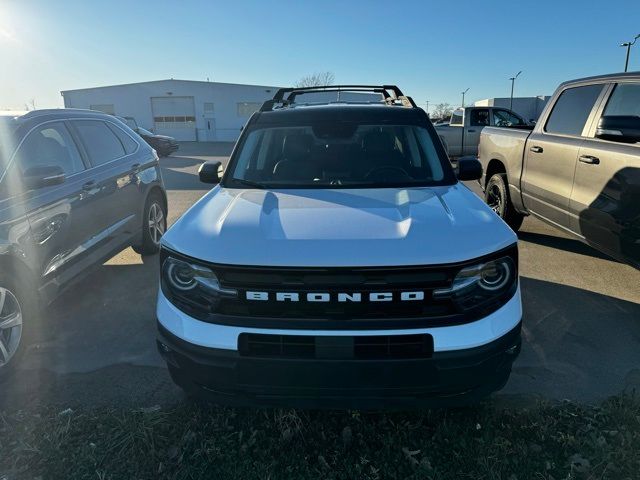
pixel 432 49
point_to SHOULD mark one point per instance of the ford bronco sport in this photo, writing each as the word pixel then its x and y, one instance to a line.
pixel 340 262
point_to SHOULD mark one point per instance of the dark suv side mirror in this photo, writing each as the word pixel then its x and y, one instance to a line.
pixel 210 172
pixel 469 168
pixel 43 176
pixel 619 128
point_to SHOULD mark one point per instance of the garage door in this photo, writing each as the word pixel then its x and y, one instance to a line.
pixel 174 116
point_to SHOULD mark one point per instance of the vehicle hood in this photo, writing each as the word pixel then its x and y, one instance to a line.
pixel 163 137
pixel 342 227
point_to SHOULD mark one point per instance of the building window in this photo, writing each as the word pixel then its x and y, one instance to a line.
pixel 104 108
pixel 208 108
pixel 169 122
pixel 246 109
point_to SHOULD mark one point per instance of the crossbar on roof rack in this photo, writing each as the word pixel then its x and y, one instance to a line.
pixel 390 93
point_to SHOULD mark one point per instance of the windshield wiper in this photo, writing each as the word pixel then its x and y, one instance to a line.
pixel 250 183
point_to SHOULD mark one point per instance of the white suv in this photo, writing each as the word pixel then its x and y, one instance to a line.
pixel 340 263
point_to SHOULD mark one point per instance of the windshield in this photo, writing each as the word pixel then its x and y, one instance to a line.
pixel 333 156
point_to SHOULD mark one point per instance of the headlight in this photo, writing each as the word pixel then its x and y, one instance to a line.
pixel 482 284
pixel 193 286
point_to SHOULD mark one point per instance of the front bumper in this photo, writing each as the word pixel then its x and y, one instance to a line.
pixel 450 378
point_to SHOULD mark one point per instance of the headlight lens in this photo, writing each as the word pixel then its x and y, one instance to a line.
pixel 194 286
pixel 479 285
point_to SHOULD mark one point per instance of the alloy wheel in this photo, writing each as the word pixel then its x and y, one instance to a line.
pixel 494 199
pixel 157 223
pixel 10 325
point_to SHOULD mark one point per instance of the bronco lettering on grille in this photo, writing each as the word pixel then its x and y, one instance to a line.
pixel 408 296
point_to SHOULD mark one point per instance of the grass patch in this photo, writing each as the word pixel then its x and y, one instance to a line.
pixel 192 441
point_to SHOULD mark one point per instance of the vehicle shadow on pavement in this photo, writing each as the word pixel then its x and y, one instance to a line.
pixel 563 243
pixel 577 344
pixel 175 179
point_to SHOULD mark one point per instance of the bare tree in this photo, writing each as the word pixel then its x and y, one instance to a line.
pixel 442 110
pixel 30 105
pixel 316 80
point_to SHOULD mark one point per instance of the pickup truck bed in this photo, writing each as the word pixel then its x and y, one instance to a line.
pixel 505 147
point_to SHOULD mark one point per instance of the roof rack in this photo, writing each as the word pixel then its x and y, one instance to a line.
pixel 391 94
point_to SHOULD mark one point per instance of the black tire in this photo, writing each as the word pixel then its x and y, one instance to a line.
pixel 496 195
pixel 16 296
pixel 156 212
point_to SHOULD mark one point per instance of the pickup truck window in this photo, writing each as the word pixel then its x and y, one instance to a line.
pixel 504 118
pixel 571 111
pixel 457 118
pixel 480 117
pixel 338 156
pixel 625 100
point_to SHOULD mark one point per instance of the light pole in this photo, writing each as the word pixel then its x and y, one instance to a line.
pixel 629 45
pixel 427 108
pixel 513 81
pixel 463 94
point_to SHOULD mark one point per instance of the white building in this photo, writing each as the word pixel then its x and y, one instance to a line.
pixel 184 109
pixel 528 107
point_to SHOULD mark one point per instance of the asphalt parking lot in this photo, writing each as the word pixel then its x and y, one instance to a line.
pixel 97 346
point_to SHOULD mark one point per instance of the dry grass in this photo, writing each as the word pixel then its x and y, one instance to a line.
pixel 189 441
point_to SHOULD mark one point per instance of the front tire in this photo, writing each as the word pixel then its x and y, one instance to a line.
pixel 496 195
pixel 154 224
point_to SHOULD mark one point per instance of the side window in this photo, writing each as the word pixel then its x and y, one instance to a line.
pixel 129 143
pixel 101 143
pixel 479 117
pixel 625 100
pixel 49 145
pixel 504 118
pixel 571 111
pixel 457 118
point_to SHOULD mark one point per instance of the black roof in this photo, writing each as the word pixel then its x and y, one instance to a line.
pixel 339 112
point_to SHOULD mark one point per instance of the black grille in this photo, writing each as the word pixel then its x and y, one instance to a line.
pixel 366 282
pixel 336 347
pixel 334 315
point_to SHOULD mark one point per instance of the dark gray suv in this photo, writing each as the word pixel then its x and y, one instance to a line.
pixel 76 187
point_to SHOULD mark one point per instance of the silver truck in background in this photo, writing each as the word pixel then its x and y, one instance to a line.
pixel 579 169
pixel 462 134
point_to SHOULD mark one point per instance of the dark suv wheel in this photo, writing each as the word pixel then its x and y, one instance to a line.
pixel 154 224
pixel 17 318
pixel 497 197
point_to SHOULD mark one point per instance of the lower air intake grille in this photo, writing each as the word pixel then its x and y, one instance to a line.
pixel 336 347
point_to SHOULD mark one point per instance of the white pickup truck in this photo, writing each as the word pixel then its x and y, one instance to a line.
pixel 461 135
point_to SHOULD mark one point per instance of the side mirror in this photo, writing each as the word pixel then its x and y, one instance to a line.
pixel 619 128
pixel 469 168
pixel 210 172
pixel 43 176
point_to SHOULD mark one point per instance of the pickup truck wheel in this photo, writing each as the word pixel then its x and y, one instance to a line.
pixel 497 197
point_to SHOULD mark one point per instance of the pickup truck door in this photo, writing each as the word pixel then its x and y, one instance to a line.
pixel 551 154
pixel 478 119
pixel 605 203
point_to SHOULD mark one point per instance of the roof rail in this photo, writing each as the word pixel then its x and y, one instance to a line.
pixel 390 93
pixel 48 111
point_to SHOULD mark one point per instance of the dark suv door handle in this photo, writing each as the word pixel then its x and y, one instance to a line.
pixel 590 159
pixel 89 185
pixel 537 149
pixel 471 130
